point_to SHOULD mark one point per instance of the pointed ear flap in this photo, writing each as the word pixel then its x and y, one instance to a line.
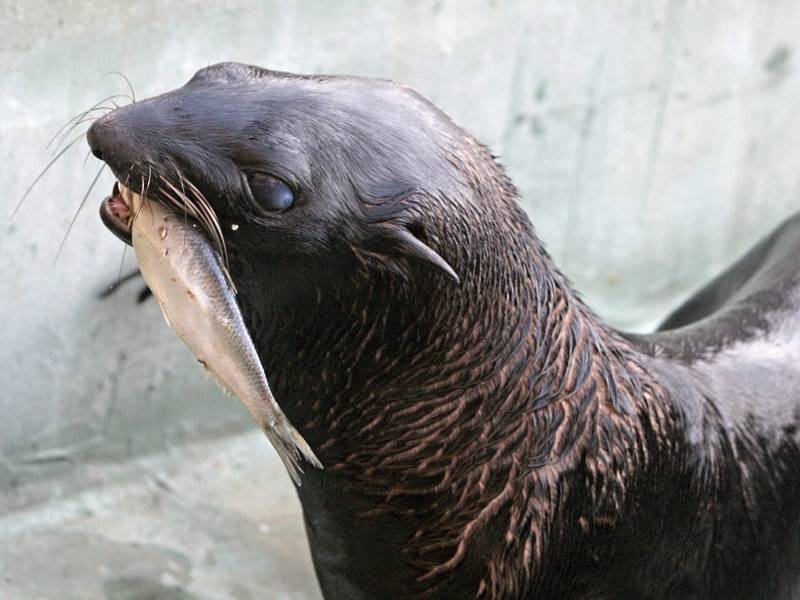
pixel 396 233
pixel 414 248
pixel 402 241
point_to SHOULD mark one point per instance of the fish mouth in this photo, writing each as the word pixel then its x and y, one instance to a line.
pixel 117 214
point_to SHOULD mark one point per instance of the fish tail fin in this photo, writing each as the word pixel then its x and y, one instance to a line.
pixel 292 448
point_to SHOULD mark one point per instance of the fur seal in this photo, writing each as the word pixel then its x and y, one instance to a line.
pixel 485 435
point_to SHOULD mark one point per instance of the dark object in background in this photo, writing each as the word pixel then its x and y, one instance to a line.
pixel 143 294
pixel 485 435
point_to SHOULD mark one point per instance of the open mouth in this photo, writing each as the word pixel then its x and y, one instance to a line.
pixel 116 212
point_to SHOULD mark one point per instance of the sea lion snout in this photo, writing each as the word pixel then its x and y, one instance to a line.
pixel 105 137
pixel 113 137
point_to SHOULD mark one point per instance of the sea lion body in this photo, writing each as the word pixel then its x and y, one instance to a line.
pixel 730 360
pixel 484 433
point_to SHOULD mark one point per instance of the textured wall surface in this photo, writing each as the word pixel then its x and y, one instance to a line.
pixel 652 142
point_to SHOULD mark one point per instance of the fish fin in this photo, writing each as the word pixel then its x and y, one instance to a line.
pixel 164 313
pixel 291 448
pixel 208 371
pixel 228 277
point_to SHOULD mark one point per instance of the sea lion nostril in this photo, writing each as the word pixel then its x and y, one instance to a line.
pixel 93 137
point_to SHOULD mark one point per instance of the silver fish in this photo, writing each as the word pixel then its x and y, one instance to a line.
pixel 184 272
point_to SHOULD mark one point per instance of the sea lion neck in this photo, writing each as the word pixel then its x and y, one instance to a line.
pixel 372 359
pixel 437 408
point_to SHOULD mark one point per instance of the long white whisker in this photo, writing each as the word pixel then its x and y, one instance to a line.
pixel 77 212
pixel 40 175
pixel 128 81
pixel 121 264
pixel 95 106
pixel 185 200
pixel 67 133
pixel 141 204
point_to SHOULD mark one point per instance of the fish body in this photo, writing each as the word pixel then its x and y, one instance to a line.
pixel 185 274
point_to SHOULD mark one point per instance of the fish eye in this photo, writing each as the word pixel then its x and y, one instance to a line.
pixel 271 194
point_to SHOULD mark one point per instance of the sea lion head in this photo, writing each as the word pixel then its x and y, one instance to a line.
pixel 318 178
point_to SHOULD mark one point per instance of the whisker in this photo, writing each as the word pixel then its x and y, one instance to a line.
pixel 86 158
pixel 141 204
pixel 128 176
pixel 77 212
pixel 66 134
pixel 95 106
pixel 214 228
pixel 40 175
pixel 180 179
pixel 203 212
pixel 121 264
pixel 147 187
pixel 179 193
pixel 128 81
pixel 211 225
pixel 186 200
pixel 181 203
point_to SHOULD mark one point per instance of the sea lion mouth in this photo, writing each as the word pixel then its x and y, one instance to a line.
pixel 118 210
pixel 116 213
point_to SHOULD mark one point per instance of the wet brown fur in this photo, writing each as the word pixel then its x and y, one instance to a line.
pixel 483 432
pixel 475 425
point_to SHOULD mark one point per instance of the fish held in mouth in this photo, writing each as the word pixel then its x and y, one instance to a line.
pixel 186 276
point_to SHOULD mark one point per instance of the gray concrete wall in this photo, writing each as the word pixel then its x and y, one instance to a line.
pixel 652 142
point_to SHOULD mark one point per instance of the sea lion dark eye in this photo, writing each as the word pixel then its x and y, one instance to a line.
pixel 270 193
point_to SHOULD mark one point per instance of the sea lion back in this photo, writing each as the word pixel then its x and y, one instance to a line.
pixel 755 298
